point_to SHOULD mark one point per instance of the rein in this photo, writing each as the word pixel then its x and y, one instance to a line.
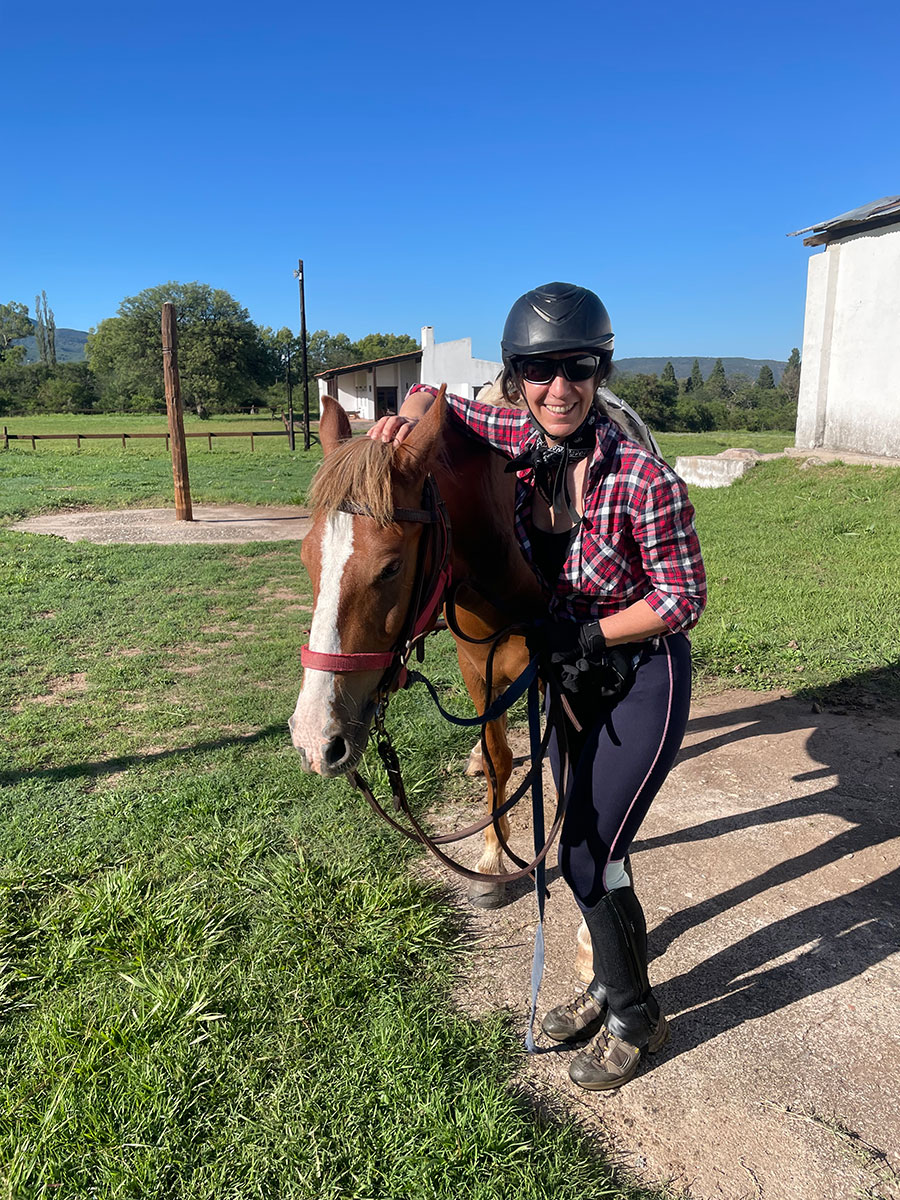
pixel 421 618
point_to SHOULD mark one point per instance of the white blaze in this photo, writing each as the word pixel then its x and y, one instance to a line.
pixel 315 704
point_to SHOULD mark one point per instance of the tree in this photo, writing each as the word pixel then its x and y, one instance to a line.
pixel 717 384
pixel 765 379
pixel 696 377
pixel 790 378
pixel 649 397
pixel 669 385
pixel 383 345
pixel 15 323
pixel 45 330
pixel 325 350
pixel 225 360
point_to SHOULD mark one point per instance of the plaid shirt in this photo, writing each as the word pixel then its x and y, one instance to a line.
pixel 636 540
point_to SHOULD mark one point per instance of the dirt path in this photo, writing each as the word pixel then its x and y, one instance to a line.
pixel 769 869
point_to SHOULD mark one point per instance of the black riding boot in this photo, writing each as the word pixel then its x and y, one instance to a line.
pixel 634 1024
pixel 584 1015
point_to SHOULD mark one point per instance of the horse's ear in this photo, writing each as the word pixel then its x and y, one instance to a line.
pixel 426 436
pixel 334 425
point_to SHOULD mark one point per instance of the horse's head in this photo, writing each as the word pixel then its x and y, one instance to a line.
pixel 363 570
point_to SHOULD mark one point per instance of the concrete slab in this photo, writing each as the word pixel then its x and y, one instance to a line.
pixel 211 523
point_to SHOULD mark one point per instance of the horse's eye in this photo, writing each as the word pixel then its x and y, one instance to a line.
pixel 392 569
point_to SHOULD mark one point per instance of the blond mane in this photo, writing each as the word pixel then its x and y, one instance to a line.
pixel 357 472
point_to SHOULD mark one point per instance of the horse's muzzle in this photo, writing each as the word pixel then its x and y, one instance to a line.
pixel 336 755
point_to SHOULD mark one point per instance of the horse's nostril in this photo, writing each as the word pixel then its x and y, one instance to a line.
pixel 335 752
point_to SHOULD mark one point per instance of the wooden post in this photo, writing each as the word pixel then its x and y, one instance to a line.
pixel 183 510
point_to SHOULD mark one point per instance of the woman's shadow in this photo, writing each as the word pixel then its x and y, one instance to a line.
pixel 828 942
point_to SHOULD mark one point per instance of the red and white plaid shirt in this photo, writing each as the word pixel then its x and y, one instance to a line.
pixel 636 540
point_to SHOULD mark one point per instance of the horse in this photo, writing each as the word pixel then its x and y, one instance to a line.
pixel 362 557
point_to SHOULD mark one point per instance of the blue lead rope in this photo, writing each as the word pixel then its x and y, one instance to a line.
pixel 527 680
pixel 502 704
pixel 540 891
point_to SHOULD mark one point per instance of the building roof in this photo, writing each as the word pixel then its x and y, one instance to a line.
pixel 411 356
pixel 885 211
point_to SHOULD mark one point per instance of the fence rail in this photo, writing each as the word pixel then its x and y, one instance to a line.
pixel 78 438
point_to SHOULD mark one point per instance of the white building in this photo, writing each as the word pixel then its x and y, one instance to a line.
pixel 374 388
pixel 850 378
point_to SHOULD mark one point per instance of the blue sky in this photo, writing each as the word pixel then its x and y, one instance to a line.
pixel 430 162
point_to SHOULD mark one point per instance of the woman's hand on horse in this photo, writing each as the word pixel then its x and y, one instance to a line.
pixel 393 428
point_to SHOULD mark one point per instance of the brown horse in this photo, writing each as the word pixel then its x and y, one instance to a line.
pixel 363 564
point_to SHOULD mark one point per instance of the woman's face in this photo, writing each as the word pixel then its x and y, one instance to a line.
pixel 559 406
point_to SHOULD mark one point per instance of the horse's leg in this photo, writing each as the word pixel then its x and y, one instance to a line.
pixel 485 894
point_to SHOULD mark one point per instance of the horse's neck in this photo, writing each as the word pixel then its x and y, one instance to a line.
pixel 480 499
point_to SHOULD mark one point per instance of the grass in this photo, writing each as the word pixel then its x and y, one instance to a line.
pixel 218 977
pixel 803 582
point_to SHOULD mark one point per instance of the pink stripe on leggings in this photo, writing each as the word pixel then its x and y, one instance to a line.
pixel 662 741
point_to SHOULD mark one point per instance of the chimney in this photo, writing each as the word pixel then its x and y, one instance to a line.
pixel 427 336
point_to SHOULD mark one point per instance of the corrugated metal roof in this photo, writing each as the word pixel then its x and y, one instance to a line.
pixel 876 210
pixel 370 362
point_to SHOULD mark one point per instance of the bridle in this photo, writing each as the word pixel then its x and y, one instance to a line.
pixel 429 587
pixel 430 590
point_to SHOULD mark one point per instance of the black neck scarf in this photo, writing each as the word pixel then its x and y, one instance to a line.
pixel 550 463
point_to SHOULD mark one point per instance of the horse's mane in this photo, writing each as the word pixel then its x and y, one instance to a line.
pixel 358 472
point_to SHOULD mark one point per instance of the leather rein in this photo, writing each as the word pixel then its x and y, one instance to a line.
pixel 430 590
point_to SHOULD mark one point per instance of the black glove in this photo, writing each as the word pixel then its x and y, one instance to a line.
pixel 579 660
pixel 573 650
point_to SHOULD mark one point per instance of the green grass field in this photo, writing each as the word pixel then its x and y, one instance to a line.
pixel 218 977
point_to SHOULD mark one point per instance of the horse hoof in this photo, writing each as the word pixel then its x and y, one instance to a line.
pixel 474 765
pixel 486 895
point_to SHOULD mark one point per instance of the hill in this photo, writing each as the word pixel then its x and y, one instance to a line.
pixel 733 366
pixel 70 344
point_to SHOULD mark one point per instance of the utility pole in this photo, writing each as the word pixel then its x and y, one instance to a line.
pixel 298 275
pixel 290 398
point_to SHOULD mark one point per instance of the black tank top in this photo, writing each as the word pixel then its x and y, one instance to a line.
pixel 549 551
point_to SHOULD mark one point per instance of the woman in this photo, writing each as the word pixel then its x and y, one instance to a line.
pixel 607 527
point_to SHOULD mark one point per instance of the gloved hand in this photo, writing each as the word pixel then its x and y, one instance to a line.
pixel 572 650
pixel 577 658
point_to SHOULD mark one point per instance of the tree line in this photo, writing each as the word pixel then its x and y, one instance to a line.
pixel 228 364
pixel 695 404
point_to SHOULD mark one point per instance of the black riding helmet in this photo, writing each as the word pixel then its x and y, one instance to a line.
pixel 556 316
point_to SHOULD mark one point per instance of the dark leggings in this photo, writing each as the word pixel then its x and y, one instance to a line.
pixel 618 763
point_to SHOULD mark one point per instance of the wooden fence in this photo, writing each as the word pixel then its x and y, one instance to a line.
pixel 78 438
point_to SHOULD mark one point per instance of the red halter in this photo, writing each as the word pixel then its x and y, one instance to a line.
pixel 421 615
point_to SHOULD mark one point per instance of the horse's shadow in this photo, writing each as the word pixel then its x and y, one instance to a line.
pixel 827 943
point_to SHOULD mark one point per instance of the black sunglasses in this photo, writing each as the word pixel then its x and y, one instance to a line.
pixel 576 369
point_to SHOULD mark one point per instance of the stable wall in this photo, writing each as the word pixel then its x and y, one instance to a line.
pixel 452 363
pixel 850 379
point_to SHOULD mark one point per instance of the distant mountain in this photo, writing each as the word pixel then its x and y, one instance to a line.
pixel 733 366
pixel 70 345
